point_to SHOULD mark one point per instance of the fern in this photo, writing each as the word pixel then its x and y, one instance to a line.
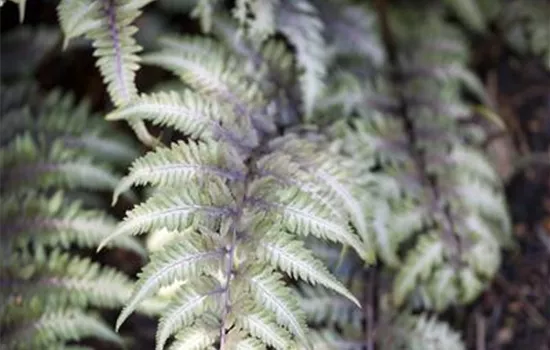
pixel 337 324
pixel 238 218
pixel 432 199
pixel 249 206
pixel 49 292
pixel 108 23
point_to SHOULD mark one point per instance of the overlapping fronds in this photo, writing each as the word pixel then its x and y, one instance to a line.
pixel 234 201
pixel 436 193
pixel 259 227
pixel 337 324
pixel 47 290
pixel 300 24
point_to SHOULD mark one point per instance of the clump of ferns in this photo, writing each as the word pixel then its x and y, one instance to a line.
pixel 235 196
pixel 52 154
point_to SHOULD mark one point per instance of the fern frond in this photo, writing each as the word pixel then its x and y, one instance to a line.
pixel 186 259
pixel 261 324
pixel 61 117
pixel 423 332
pixel 257 18
pixel 55 165
pixel 53 221
pixel 48 293
pixel 188 304
pixel 108 23
pixel 61 280
pixel 299 22
pixel 419 264
pixel 59 326
pixel 174 211
pixel 268 290
pixel 439 203
pixel 524 25
pixel 227 184
pixel 469 12
pixel 195 338
pixel 182 163
pixel 325 307
pixel 290 256
pixel 210 71
pixel 303 216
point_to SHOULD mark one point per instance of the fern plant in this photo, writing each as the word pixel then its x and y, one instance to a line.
pixel 284 132
pixel 438 195
pixel 51 294
pixel 239 197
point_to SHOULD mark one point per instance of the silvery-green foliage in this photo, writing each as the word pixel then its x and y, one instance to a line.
pixel 235 200
pixel 437 195
pixel 52 151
